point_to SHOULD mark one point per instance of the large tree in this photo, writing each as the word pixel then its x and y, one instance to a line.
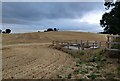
pixel 111 20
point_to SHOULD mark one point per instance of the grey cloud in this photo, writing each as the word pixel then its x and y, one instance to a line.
pixel 60 24
pixel 29 12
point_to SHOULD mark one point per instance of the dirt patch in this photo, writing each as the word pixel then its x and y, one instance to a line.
pixel 28 62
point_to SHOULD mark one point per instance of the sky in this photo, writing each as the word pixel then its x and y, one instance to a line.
pixel 23 17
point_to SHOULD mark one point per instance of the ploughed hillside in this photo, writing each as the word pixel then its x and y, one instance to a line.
pixel 46 37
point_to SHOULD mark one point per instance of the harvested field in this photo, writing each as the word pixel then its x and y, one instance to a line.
pixel 27 62
pixel 46 37
pixel 28 56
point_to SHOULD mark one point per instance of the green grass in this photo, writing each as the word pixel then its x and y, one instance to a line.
pixel 116 46
pixel 92 61
pixel 81 71
pixel 92 76
pixel 118 70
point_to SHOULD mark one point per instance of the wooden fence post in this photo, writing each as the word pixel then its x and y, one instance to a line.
pixel 99 44
pixel 81 42
pixel 78 46
pixel 108 41
pixel 87 43
pixel 68 45
pixel 95 44
pixel 82 46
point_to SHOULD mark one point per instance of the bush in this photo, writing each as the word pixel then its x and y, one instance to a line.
pixel 69 76
pixel 8 31
pixel 82 53
pixel 49 29
pixel 45 31
pixel 3 32
pixel 92 76
pixel 0 31
pixel 81 71
pixel 55 29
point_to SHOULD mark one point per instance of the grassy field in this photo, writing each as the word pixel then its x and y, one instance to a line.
pixel 42 37
pixel 94 64
pixel 29 56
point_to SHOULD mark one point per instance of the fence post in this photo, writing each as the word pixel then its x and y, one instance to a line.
pixel 82 46
pixel 108 41
pixel 81 42
pixel 95 44
pixel 99 44
pixel 87 43
pixel 68 45
pixel 78 46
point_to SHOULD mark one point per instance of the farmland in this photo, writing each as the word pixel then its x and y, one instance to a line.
pixel 29 55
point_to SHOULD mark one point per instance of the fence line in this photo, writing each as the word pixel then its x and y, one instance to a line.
pixel 82 44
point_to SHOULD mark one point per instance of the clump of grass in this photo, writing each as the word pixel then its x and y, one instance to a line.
pixel 69 76
pixel 109 76
pixel 118 70
pixel 81 52
pixel 116 46
pixel 98 57
pixel 79 63
pixel 92 76
pixel 81 71
pixel 59 76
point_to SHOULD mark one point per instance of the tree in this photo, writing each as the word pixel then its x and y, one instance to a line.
pixel 49 29
pixel 0 31
pixel 8 31
pixel 3 32
pixel 111 20
pixel 45 31
pixel 55 29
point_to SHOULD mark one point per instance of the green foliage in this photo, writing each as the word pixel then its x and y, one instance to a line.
pixel 59 76
pixel 116 46
pixel 81 71
pixel 118 70
pixel 79 63
pixel 69 76
pixel 96 58
pixel 111 20
pixel 92 76
pixel 81 53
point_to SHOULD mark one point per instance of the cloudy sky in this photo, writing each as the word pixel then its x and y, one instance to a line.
pixel 33 16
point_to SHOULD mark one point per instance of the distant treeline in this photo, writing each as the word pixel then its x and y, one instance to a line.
pixel 50 29
pixel 5 31
pixel 108 33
